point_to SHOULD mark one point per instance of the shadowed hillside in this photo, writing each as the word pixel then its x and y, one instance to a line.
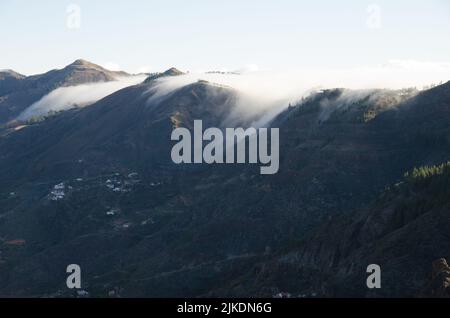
pixel 96 187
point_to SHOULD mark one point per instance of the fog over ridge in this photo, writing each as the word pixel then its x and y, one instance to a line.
pixel 269 92
pixel 64 98
pixel 260 92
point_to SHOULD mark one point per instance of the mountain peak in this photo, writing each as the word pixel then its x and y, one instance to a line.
pixel 84 64
pixel 173 72
pixel 11 74
pixel 170 72
pixel 81 62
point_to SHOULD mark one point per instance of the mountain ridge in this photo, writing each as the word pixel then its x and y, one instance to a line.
pixel 24 91
pixel 168 73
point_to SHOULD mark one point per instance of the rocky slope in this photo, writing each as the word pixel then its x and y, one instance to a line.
pixel 403 231
pixel 439 283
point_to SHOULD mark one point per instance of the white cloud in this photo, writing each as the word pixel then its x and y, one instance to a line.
pixel 265 92
pixel 248 68
pixel 268 92
pixel 76 96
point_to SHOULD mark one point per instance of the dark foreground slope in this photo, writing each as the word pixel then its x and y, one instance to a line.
pixel 96 187
pixel 404 231
pixel 94 173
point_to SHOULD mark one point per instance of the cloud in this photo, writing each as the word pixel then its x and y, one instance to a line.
pixel 248 69
pixel 76 96
pixel 261 94
pixel 268 92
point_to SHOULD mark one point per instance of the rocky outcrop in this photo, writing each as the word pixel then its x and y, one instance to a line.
pixel 439 285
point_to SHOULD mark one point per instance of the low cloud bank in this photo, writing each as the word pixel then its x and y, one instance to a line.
pixel 262 94
pixel 76 96
pixel 266 93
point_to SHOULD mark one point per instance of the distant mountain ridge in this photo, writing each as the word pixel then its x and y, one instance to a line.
pixel 11 74
pixel 170 72
pixel 17 92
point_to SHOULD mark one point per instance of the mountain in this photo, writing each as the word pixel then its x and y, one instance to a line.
pixel 402 222
pixel 5 74
pixel 126 134
pixel 129 128
pixel 96 187
pixel 403 231
pixel 17 92
pixel 9 80
pixel 170 72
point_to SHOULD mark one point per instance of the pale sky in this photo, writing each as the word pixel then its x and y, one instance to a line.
pixel 138 35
